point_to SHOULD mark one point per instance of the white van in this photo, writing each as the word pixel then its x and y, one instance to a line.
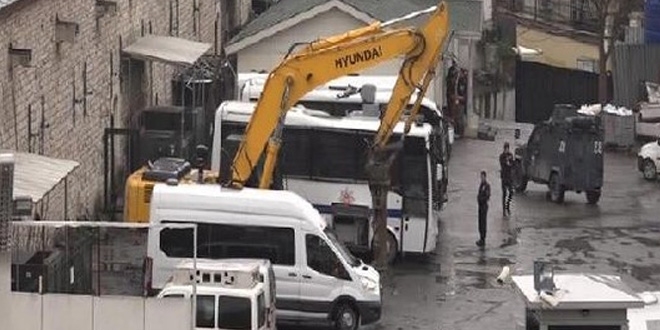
pixel 317 278
pixel 233 298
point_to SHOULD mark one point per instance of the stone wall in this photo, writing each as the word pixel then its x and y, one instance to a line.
pixel 52 87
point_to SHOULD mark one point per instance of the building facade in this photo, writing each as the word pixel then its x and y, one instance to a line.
pixel 263 43
pixel 64 77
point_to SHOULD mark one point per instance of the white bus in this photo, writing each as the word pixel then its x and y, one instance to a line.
pixel 323 158
pixel 325 98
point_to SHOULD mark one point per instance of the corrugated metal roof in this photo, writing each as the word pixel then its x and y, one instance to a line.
pixel 4 3
pixel 36 175
pixel 465 15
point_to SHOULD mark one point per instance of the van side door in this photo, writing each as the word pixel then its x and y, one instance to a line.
pixel 323 277
pixel 285 267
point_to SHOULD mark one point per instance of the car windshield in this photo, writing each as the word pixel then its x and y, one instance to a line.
pixel 352 260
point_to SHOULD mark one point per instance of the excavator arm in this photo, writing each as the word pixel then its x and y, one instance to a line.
pixel 331 58
pixel 417 72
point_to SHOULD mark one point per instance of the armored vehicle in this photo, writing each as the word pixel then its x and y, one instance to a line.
pixel 566 153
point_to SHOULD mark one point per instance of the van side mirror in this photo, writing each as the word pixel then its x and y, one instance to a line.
pixel 658 142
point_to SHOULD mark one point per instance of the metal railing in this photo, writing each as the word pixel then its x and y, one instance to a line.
pixel 578 14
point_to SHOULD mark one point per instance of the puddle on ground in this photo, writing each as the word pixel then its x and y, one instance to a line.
pixel 575 244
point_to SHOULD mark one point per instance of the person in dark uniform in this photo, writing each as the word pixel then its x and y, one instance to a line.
pixel 506 166
pixel 482 200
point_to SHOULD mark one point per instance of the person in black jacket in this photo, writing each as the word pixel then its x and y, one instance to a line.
pixel 506 166
pixel 482 200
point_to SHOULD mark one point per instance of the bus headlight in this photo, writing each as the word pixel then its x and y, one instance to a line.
pixel 369 284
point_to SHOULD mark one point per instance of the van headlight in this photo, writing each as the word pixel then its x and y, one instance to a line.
pixel 369 284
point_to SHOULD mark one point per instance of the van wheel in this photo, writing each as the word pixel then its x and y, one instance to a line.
pixel 649 170
pixel 346 317
pixel 593 196
pixel 556 190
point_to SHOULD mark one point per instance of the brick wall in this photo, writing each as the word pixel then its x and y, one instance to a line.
pixel 75 131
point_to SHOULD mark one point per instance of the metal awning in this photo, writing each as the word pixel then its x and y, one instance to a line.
pixel 167 49
pixel 35 176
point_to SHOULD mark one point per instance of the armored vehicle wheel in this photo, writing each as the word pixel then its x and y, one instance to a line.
pixel 556 190
pixel 593 196
pixel 649 170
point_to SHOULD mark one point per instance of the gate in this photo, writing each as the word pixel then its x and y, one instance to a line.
pixel 539 87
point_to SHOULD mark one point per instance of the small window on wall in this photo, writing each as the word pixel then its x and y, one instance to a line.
pixel 234 313
pixel 205 311
pixel 587 64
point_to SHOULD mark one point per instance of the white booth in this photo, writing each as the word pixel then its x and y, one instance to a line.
pixel 576 302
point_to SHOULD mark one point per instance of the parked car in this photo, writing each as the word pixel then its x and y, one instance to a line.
pixel 648 160
pixel 564 152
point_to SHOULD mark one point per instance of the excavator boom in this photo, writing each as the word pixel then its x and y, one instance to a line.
pixel 331 58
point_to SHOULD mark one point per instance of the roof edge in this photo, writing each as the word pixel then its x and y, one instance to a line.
pixel 238 45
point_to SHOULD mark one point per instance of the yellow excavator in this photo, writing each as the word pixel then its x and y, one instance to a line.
pixel 307 66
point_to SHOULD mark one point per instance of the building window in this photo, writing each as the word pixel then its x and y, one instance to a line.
pixel 587 64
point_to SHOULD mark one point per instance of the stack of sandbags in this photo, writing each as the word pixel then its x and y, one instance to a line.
pixel 618 123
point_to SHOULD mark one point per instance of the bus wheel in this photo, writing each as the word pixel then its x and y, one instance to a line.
pixel 392 249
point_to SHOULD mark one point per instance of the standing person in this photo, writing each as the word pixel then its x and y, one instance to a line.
pixel 506 167
pixel 450 85
pixel 482 200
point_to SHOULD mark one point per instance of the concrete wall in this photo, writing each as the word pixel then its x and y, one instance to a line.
pixel 47 86
pixel 500 105
pixel 267 53
pixel 557 51
pixel 77 312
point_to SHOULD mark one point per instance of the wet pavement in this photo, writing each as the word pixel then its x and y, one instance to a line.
pixel 456 287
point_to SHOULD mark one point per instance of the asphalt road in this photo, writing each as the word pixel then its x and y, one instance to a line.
pixel 456 288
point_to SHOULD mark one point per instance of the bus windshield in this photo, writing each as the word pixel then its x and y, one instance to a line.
pixel 352 260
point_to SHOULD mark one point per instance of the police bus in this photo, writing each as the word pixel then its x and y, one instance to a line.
pixel 323 159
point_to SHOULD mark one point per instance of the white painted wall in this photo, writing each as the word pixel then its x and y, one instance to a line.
pixel 267 53
pixel 31 311
pixel 487 10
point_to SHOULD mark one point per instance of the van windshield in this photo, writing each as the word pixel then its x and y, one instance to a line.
pixel 352 260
